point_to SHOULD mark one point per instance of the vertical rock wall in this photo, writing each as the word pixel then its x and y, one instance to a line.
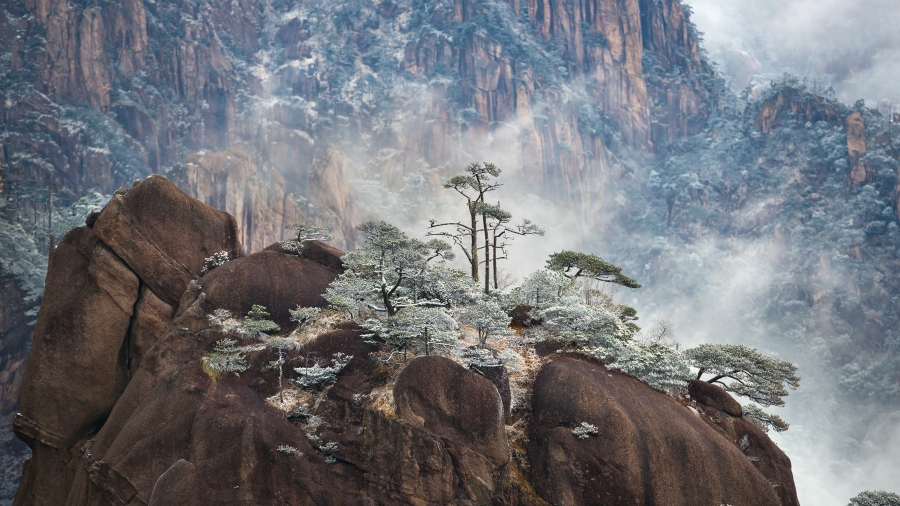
pixel 172 78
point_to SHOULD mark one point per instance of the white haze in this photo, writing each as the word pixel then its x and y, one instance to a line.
pixel 808 38
pixel 715 295
pixel 833 460
pixel 853 45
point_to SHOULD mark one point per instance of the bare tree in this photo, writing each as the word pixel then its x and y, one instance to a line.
pixel 494 225
pixel 472 186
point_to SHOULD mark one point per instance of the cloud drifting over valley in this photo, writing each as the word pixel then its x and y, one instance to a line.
pixel 851 45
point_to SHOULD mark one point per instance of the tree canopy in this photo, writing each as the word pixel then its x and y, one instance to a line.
pixel 257 322
pixel 494 223
pixel 745 371
pixel 421 329
pixel 765 421
pixel 387 271
pixel 304 232
pixel 574 264
pixel 876 498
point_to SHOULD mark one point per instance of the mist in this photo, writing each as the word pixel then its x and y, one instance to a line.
pixel 850 45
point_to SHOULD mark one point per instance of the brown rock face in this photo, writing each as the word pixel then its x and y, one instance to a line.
pixel 445 398
pixel 603 41
pixel 649 449
pixel 278 281
pixel 324 254
pixel 465 411
pixel 151 317
pixel 714 397
pixel 856 145
pixel 162 80
pixel 77 368
pixel 765 455
pixel 164 235
pixel 119 408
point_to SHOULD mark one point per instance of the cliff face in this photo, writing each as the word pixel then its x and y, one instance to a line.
pixel 305 99
pixel 15 342
pixel 98 95
pixel 140 418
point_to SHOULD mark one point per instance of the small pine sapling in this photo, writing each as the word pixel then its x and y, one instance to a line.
pixel 744 445
pixel 281 345
pixel 585 430
pixel 257 323
pixel 226 357
pixel 287 449
pixel 217 260
pixel 303 315
pixel 316 376
pixel 304 232
pixel 328 449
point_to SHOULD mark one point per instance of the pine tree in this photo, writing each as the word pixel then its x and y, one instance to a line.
pixel 574 264
pixel 304 232
pixel 746 372
pixel 877 498
pixel 257 322
pixel 386 271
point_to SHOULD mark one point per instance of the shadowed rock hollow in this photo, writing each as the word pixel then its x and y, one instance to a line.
pixel 120 409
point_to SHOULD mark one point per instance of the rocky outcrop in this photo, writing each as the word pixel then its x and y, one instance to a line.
pixel 239 284
pixel 137 417
pixel 101 315
pixel 77 368
pixel 856 146
pixel 765 455
pixel 151 317
pixel 438 394
pixel 715 397
pixel 789 103
pixel 164 235
pixel 799 106
pixel 648 448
